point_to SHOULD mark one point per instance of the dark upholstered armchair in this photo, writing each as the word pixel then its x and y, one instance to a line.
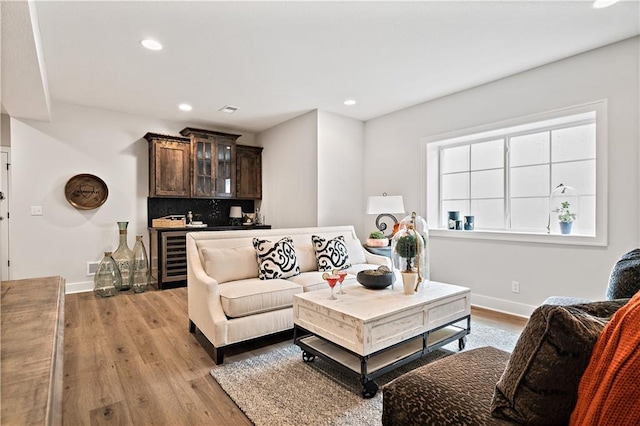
pixel 537 384
pixel 624 281
pixel 487 386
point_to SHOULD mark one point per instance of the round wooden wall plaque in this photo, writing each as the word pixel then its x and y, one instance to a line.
pixel 86 192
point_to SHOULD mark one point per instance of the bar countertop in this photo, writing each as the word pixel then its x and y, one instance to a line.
pixel 213 228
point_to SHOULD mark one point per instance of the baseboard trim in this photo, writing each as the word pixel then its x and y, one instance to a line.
pixel 79 287
pixel 504 306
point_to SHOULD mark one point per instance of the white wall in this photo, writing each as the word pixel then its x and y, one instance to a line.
pixel 290 172
pixel 340 171
pixel 312 171
pixel 46 155
pixel 488 267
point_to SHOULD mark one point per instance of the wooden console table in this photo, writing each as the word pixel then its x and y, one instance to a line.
pixel 32 351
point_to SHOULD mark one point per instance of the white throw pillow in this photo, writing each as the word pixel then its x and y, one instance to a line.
pixel 230 264
pixel 276 260
pixel 331 254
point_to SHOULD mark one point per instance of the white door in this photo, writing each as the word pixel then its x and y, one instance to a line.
pixel 4 216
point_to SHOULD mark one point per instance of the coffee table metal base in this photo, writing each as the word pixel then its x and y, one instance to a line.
pixel 370 366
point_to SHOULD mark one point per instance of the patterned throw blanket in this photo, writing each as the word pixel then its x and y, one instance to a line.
pixel 609 391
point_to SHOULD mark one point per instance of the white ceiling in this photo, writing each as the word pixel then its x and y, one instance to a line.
pixel 277 60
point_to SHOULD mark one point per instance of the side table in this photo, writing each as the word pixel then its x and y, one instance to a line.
pixel 382 251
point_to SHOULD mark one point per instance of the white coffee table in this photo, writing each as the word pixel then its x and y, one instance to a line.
pixel 371 332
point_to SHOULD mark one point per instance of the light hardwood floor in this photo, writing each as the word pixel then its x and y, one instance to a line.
pixel 130 359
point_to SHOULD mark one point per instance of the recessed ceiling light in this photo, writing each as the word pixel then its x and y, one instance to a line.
pixel 151 44
pixel 185 107
pixel 600 4
pixel 228 109
pixel 349 102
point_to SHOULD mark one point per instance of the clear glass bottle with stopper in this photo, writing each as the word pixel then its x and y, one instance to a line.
pixel 140 266
pixel 122 256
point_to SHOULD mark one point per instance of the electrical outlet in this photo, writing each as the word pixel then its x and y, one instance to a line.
pixel 515 286
pixel 36 210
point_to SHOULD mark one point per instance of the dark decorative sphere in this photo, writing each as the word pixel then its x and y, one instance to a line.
pixel 375 282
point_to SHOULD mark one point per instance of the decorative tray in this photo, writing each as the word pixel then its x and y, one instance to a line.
pixel 86 191
pixel 172 221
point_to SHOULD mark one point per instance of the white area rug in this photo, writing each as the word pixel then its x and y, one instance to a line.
pixel 278 388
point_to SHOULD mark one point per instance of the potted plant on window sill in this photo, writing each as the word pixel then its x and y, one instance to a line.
pixel 566 218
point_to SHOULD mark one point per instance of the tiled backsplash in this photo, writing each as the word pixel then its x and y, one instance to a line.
pixel 210 211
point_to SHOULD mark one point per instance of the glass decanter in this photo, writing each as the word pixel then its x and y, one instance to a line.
pixel 122 256
pixel 140 267
pixel 107 279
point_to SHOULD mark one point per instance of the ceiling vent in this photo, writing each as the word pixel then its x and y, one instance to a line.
pixel 228 109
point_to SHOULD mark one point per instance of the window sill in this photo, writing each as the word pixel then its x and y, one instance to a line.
pixel 528 237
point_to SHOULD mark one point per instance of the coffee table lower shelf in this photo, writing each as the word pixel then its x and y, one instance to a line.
pixel 368 367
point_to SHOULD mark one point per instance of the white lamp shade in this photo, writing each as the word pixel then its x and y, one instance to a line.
pixel 236 212
pixel 385 204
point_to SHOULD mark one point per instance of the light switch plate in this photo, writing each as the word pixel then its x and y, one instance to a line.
pixel 36 210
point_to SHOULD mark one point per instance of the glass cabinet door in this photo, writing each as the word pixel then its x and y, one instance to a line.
pixel 203 169
pixel 213 163
pixel 224 183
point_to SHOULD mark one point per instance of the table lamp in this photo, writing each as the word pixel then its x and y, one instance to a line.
pixel 235 216
pixel 383 206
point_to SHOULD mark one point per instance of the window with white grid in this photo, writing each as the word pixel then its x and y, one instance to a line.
pixel 504 177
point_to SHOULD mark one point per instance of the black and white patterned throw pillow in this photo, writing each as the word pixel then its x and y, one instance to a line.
pixel 330 254
pixel 276 260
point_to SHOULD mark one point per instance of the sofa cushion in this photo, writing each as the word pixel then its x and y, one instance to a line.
pixel 331 254
pixel 625 276
pixel 252 296
pixel 276 259
pixel 230 264
pixel 540 383
pixel 609 391
pixel 306 256
pixel 312 281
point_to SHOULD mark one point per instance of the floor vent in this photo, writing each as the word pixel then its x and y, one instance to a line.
pixel 92 267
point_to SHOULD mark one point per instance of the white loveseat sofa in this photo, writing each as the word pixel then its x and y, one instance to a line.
pixel 227 301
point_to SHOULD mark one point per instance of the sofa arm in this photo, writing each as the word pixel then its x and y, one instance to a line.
pixel 376 259
pixel 203 299
pixel 456 389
